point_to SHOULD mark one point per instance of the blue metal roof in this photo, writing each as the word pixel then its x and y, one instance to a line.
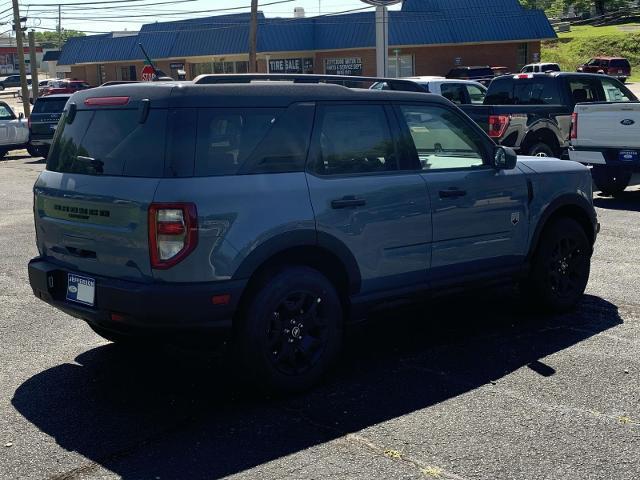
pixel 419 22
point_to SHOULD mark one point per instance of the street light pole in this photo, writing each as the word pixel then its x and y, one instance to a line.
pixel 382 34
pixel 253 37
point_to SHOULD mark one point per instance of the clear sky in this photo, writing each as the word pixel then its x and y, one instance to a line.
pixel 98 17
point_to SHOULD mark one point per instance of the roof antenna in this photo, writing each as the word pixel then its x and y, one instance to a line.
pixel 158 75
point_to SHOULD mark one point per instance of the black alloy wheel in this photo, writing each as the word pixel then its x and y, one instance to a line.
pixel 291 332
pixel 560 267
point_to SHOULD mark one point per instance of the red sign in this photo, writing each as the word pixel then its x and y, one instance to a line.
pixel 147 73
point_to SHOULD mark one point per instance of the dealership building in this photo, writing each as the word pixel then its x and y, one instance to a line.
pixel 426 37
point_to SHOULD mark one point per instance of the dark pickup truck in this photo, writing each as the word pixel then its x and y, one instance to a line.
pixel 531 113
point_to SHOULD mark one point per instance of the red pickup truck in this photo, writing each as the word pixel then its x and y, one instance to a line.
pixel 66 86
pixel 617 67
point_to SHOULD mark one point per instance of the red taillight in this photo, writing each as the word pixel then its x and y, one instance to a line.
pixel 173 233
pixel 522 76
pixel 574 126
pixel 498 125
pixel 106 101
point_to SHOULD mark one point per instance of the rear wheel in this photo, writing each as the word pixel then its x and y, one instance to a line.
pixel 540 149
pixel 610 181
pixel 291 332
pixel 37 151
pixel 560 267
pixel 3 153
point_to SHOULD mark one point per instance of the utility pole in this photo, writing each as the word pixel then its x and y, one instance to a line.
pixel 59 27
pixel 23 71
pixel 253 37
pixel 34 65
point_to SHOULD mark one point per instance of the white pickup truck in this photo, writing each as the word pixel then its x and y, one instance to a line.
pixel 606 136
pixel 14 130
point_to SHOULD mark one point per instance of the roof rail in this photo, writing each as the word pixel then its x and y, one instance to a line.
pixel 344 80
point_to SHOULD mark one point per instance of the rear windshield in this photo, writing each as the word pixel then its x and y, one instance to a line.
pixel 530 91
pixel 110 142
pixel 620 63
pixel 481 72
pixel 50 105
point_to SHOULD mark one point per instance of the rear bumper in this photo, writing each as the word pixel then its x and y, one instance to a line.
pixel 40 140
pixel 140 308
pixel 604 157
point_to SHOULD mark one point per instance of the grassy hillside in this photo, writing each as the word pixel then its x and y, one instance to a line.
pixel 583 42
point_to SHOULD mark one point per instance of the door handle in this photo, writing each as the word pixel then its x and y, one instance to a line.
pixel 348 201
pixel 452 193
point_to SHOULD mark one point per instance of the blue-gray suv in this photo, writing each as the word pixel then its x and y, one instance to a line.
pixel 276 214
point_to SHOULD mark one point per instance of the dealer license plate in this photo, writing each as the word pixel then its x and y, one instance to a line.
pixel 628 156
pixel 81 289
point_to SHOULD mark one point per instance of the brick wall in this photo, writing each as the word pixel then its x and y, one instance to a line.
pixel 438 60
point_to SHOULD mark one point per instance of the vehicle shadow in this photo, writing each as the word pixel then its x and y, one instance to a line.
pixel 170 414
pixel 628 200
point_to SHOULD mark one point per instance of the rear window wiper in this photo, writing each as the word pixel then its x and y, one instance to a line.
pixel 97 165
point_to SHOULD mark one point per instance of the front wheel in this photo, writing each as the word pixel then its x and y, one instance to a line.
pixel 560 267
pixel 540 150
pixel 291 332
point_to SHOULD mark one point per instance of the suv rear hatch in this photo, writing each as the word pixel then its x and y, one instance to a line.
pixel 91 203
pixel 619 67
pixel 46 114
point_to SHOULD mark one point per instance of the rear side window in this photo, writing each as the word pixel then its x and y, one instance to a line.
pixel 620 63
pixel 110 142
pixel 49 105
pixel 453 92
pixel 534 91
pixel 476 94
pixel 252 140
pixel 583 91
pixel 354 139
pixel 5 113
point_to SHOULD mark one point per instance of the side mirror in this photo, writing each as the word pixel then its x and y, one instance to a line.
pixel 20 115
pixel 504 158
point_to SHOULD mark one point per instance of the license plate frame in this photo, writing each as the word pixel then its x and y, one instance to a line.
pixel 628 156
pixel 81 289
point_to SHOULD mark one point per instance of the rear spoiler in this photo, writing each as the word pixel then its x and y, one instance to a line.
pixel 344 80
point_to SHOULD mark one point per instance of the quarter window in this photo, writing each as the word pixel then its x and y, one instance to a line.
pixel 354 139
pixel 5 113
pixel 476 94
pixel 442 139
pixel 613 92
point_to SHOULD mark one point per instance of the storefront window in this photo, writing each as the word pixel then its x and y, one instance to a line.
pixel 522 55
pixel 219 67
pixel 405 67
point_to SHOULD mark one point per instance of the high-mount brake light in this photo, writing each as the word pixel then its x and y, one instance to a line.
pixel 106 101
pixel 173 233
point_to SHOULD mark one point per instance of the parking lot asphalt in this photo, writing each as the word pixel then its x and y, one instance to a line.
pixel 473 387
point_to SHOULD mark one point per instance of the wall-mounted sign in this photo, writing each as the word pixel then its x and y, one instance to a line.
pixel 458 61
pixel 343 66
pixel 536 56
pixel 291 65
pixel 176 66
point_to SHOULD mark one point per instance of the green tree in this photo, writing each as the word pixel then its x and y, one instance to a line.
pixel 50 39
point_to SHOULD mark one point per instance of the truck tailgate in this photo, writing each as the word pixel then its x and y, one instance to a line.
pixel 612 125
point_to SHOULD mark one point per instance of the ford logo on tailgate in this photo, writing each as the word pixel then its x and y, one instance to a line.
pixel 627 122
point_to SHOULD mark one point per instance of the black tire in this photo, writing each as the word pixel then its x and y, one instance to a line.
pixel 540 150
pixel 3 153
pixel 611 182
pixel 560 267
pixel 34 151
pixel 291 332
pixel 1 87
